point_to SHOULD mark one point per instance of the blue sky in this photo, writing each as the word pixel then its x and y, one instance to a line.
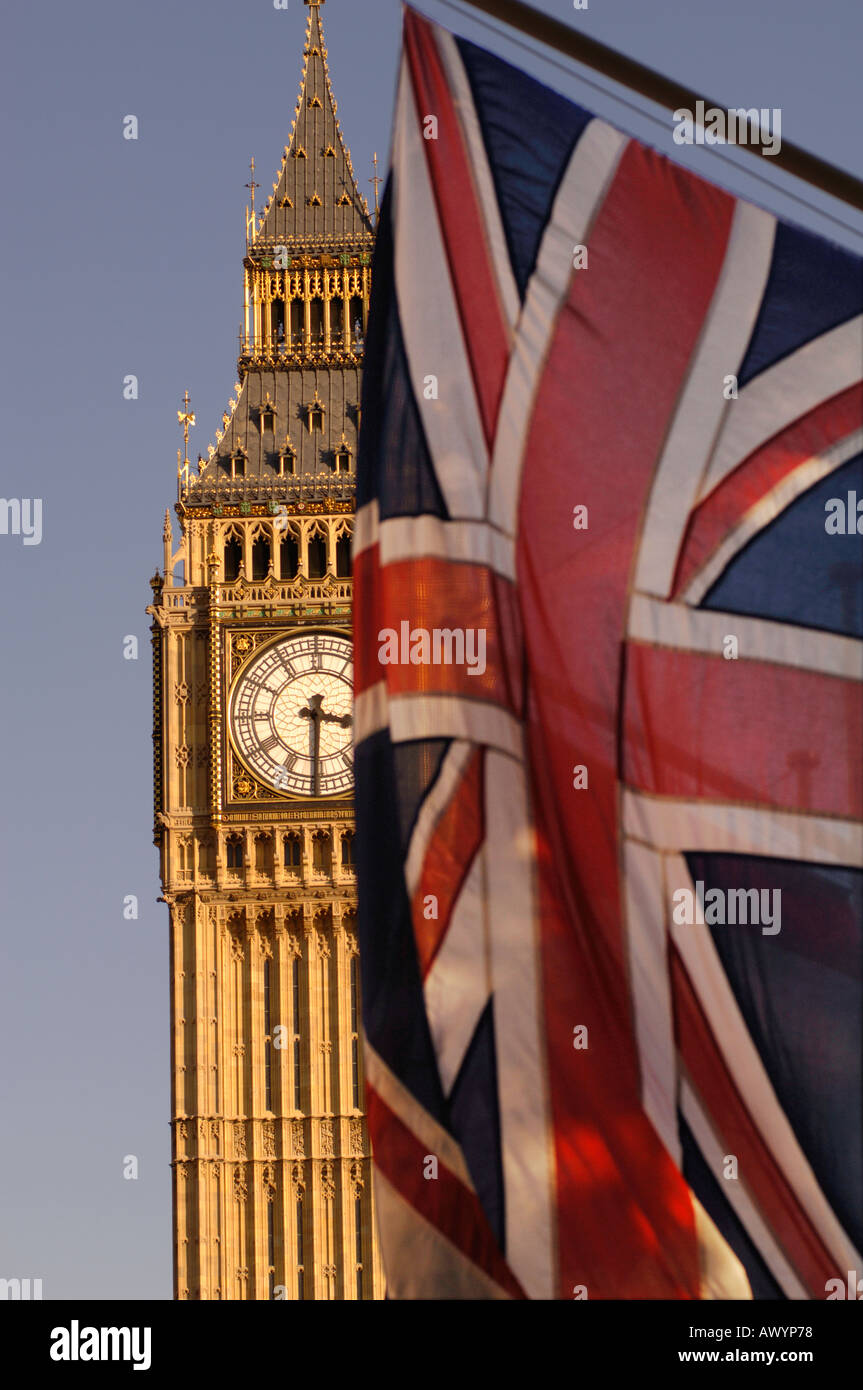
pixel 125 257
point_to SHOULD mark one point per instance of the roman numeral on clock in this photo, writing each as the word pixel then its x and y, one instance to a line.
pixel 269 743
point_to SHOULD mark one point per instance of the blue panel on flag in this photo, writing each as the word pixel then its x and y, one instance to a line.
pixel 799 993
pixel 394 465
pixel 475 1121
pixel 416 768
pixel 794 571
pixel 526 171
pixel 393 1007
pixel 813 286
pixel 709 1193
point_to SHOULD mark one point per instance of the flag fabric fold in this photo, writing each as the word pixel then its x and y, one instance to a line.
pixel 609 652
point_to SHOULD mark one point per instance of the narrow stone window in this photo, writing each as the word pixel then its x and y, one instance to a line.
pixel 260 558
pixel 233 557
pixel 317 557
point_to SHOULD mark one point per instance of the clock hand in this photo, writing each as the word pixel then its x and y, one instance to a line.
pixel 315 714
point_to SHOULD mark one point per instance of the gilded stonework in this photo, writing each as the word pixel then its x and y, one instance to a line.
pixel 253 761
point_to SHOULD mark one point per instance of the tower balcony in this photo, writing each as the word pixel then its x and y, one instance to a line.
pixel 305 352
pixel 272 491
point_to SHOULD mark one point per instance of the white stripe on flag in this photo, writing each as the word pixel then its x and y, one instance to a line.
pixel 771 505
pixel 579 198
pixel 462 98
pixel 457 988
pixel 430 322
pixel 433 807
pixel 677 626
pixel 647 947
pixel 738 1196
pixel 701 406
pixel 781 394
pixel 527 1145
pixel 722 828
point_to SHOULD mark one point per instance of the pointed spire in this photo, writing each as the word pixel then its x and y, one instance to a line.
pixel 316 198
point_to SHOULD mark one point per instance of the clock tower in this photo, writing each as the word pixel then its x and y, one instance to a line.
pixel 253 761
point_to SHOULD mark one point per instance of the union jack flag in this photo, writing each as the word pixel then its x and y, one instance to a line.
pixel 609 412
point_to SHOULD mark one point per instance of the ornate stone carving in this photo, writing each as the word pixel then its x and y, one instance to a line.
pixel 298 1139
pixel 298 1180
pixel 269 1182
pixel 323 944
pixel 182 755
pixel 269 1139
pixel 357 1180
pixel 241 1190
pixel 181 692
pixel 237 943
pixel 351 944
pixel 357 1146
pixel 327 1138
pixel 328 1186
pixel 239 1139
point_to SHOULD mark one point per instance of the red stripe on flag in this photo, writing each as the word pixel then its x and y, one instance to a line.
pixel 461 221
pixel 429 595
pixel 445 1202
pixel 613 376
pixel 742 731
pixel 448 858
pixel 734 1127
pixel 727 505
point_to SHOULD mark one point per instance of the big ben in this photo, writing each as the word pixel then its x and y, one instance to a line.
pixel 253 761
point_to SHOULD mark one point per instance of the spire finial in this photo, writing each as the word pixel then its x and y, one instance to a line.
pixel 251 185
pixel 376 180
pixel 187 420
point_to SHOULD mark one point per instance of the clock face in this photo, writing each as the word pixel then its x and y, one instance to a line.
pixel 290 715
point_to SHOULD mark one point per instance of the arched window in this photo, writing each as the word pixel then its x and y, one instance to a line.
pixel 260 557
pixel 268 418
pixel 262 854
pixel 321 852
pixel 317 557
pixel 277 327
pixel 343 460
pixel 233 558
pixel 297 319
pixel 348 851
pixel 337 317
pixel 292 853
pixel 289 555
pixel 317 317
pixel 286 463
pixel 238 465
pixel 357 318
pixel 234 852
pixel 344 561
